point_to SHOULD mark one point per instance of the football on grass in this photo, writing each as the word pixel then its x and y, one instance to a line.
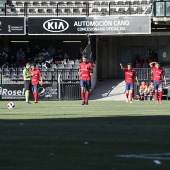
pixel 10 105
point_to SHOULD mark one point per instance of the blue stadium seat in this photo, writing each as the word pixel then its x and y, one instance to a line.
pixel 128 2
pixel 136 2
pixel 44 3
pixel 70 4
pixel 21 10
pixel 59 11
pixel 95 10
pixel 96 3
pixel 61 4
pixel 121 10
pixel 103 3
pixel 113 2
pixel 130 10
pixel 78 3
pixel 41 11
pixel 50 11
pixel 13 10
pixel 104 10
pixel 76 11
pixel 113 11
pixel 36 3
pixel 84 10
pixel 144 2
pixel 120 3
pixel 28 4
pixel 31 10
pixel 19 3
pixel 139 10
pixel 53 3
pixel 67 10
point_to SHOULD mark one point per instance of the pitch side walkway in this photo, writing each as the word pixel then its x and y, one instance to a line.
pixel 109 90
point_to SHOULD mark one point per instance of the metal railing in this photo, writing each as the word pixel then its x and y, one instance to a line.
pixel 15 75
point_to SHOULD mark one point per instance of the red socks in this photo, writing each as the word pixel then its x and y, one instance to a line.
pixel 127 94
pixel 160 95
pixel 156 95
pixel 131 96
pixel 35 96
pixel 83 96
pixel 87 96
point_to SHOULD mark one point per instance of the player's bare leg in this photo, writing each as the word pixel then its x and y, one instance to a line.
pixel 27 93
pixel 35 96
pixel 127 95
pixel 160 95
pixel 131 95
pixel 156 96
pixel 83 95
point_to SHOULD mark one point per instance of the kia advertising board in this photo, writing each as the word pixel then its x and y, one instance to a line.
pixel 12 26
pixel 89 25
pixel 17 92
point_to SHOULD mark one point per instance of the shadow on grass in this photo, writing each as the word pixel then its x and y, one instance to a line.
pixel 83 143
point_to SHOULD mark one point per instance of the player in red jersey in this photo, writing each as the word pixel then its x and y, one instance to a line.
pixel 158 76
pixel 129 80
pixel 85 79
pixel 35 81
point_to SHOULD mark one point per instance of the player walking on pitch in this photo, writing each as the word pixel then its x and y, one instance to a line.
pixel 85 79
pixel 158 76
pixel 129 80
pixel 36 76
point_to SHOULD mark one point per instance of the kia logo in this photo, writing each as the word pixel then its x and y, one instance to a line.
pixel 55 25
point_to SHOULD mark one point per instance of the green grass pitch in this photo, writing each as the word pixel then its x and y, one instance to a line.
pixel 105 135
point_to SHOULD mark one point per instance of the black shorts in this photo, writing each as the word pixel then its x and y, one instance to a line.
pixel 27 84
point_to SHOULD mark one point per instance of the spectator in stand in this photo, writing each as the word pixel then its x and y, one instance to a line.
pixel 39 59
pixel 12 61
pixel 48 60
pixel 149 60
pixel 37 50
pixel 28 55
pixel 51 50
pixel 151 90
pixel 20 58
pixel 2 57
pixel 155 57
pixel 59 56
pixel 143 91
pixel 6 55
pixel 138 62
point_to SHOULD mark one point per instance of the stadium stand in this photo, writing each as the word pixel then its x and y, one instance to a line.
pixel 87 8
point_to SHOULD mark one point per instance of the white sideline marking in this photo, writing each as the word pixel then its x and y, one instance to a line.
pixel 160 156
